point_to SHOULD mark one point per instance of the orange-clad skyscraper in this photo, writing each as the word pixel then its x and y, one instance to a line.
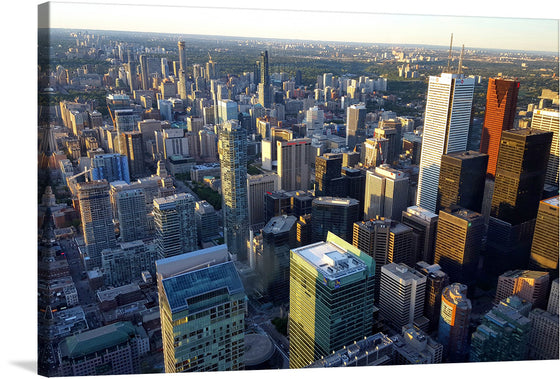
pixel 501 102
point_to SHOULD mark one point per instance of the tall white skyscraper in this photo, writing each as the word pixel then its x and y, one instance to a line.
pixel 547 120
pixel 446 130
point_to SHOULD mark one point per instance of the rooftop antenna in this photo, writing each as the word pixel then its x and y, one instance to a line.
pixel 460 68
pixel 450 50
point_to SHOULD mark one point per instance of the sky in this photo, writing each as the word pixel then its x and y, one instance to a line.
pixel 320 20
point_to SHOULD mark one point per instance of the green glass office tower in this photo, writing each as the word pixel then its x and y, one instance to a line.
pixel 331 299
pixel 232 148
pixel 202 311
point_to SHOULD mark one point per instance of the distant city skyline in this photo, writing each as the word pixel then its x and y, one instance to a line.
pixel 324 23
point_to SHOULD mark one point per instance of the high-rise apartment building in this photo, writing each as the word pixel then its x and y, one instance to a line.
pixel 436 281
pixel 144 72
pixel 503 334
pixel 97 221
pixel 501 102
pixel 293 163
pixel 458 243
pixel 402 292
pixel 544 249
pixel 182 56
pixel 424 226
pixel 548 120
pixel 386 193
pixel 265 92
pixel 175 225
pixel 333 214
pixel 446 126
pixel 202 310
pixel 131 214
pixel 232 148
pixel 461 180
pixel 331 299
pixel 355 125
pixel 453 331
pixel 531 286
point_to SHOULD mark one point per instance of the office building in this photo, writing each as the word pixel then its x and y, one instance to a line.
pixel 531 286
pixel 372 237
pixel 126 263
pixel 334 214
pixel 134 151
pixel 257 187
pixel 386 193
pixel 413 346
pixel 327 169
pixel 424 226
pixel 294 157
pixel 503 334
pixel 355 125
pixel 175 225
pixel 206 221
pixel 114 349
pixel 144 72
pixel 131 213
pixel 202 310
pixel 354 183
pixel 350 159
pixel 273 264
pixel 296 203
pixel 543 338
pixel 402 293
pixel 314 120
pixel 461 180
pixel 453 331
pixel 372 152
pixel 548 120
pixel 227 110
pixel 446 127
pixel 458 243
pixel 436 281
pixel 232 148
pixel 97 220
pixel 520 174
pixel 111 167
pixel 331 299
pixel 391 134
pixel 501 103
pixel 553 298
pixel 544 249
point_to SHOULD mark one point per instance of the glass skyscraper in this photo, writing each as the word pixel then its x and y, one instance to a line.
pixel 232 148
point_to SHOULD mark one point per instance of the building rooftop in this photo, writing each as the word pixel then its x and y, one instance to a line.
pixel 181 289
pixel 553 201
pixel 462 155
pixel 328 200
pixel 89 342
pixel 111 294
pixel 402 271
pixel 524 274
pixel 331 260
pixel 193 260
pixel 279 224
pixel 258 349
pixel 462 213
pixel 422 213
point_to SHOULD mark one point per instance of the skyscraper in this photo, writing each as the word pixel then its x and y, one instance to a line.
pixel 552 306
pixel 265 90
pixel 401 298
pixel 111 167
pixel 446 126
pixel 144 72
pixel 461 180
pixel 458 243
pixel 182 56
pixel 333 214
pixel 501 102
pixel 135 153
pixel 257 187
pixel 293 163
pixel 232 148
pixel 386 193
pixel 424 226
pixel 436 281
pixel 543 338
pixel 548 120
pixel 544 249
pixel 520 174
pixel 132 214
pixel 202 310
pixel 175 225
pixel 331 299
pixel 454 320
pixel 97 220
pixel 327 168
pixel 355 125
